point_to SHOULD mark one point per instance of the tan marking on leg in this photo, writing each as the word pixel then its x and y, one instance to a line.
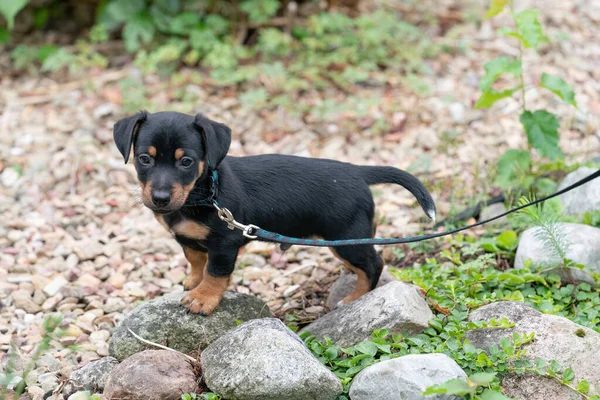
pixel 179 153
pixel 363 285
pixel 197 260
pixel 152 151
pixel 192 229
pixel 161 220
pixel 207 295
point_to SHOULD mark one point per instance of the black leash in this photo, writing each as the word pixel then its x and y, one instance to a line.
pixel 254 232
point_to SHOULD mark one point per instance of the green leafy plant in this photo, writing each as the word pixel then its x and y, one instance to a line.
pixel 469 388
pixel 203 396
pixel 504 244
pixel 476 282
pixel 52 58
pixel 540 126
pixel 476 386
pixel 260 10
pixel 553 370
pixel 319 51
pixel 546 217
pixel 9 10
pixel 445 335
pixel 592 218
pixel 51 331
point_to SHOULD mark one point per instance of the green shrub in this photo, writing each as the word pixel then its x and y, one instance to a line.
pixel 540 126
pixel 228 38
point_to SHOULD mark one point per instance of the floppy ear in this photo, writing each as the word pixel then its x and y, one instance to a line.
pixel 217 138
pixel 125 130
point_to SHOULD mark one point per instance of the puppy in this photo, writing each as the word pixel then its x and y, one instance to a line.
pixel 176 157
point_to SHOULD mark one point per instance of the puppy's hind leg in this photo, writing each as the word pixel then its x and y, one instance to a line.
pixel 365 263
pixel 363 260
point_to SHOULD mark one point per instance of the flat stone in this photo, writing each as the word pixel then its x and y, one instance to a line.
pixel 22 299
pixel 55 285
pixel 91 376
pixel 457 112
pixel 87 249
pixel 38 297
pixel 264 360
pixel 36 392
pixel 49 383
pixel 397 306
pixel 405 378
pixel 152 375
pixel 88 280
pixel 556 338
pixel 117 280
pixel 165 320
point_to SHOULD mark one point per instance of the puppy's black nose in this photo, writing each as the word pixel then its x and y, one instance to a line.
pixel 161 198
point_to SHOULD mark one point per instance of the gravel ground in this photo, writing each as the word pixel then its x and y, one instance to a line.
pixel 74 240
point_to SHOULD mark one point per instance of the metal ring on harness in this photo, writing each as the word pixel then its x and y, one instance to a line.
pixel 250 228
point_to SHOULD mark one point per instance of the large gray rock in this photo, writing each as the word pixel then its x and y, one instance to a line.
pixel 583 248
pixel 165 320
pixel 346 283
pixel 91 376
pixel 396 306
pixel 583 199
pixel 264 360
pixel 152 375
pixel 556 338
pixel 405 378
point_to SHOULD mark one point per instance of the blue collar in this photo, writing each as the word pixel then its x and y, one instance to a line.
pixel 211 200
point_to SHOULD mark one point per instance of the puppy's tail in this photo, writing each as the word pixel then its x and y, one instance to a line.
pixel 375 175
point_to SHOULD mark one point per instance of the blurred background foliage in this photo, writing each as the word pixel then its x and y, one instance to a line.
pixel 299 44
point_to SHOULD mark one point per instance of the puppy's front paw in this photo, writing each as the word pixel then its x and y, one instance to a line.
pixel 201 303
pixel 191 282
pixel 344 301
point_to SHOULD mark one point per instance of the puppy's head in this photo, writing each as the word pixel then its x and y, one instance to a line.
pixel 172 151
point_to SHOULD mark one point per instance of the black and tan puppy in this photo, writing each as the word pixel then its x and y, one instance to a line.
pixel 175 156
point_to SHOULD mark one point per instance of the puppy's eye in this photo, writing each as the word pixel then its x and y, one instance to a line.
pixel 144 159
pixel 186 162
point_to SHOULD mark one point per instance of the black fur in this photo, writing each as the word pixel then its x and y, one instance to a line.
pixel 294 196
pixel 217 138
pixel 124 133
